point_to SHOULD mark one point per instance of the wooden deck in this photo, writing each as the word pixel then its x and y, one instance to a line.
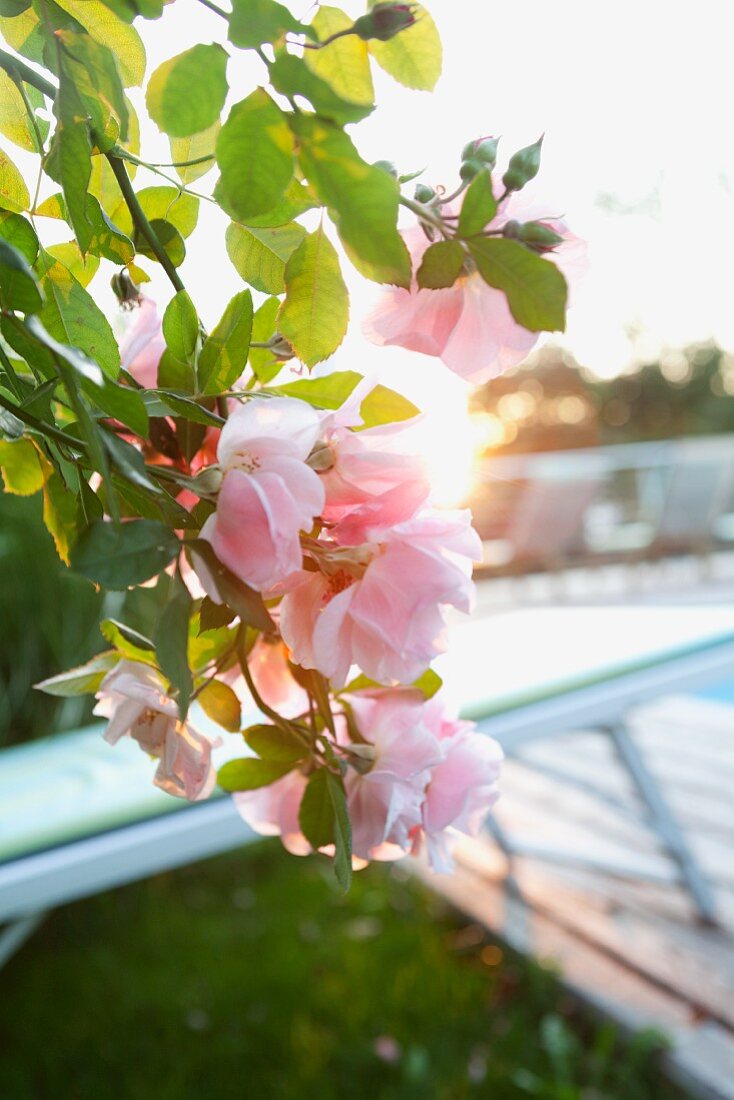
pixel 625 937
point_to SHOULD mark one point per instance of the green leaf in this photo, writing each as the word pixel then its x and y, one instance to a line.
pixel 72 317
pixel 175 404
pixel 362 200
pixel 106 240
pixel 191 148
pixel 413 57
pixel 344 64
pixel 69 160
pixel 169 239
pixel 290 76
pixel 264 364
pixel 171 645
pixel 61 514
pixel 315 314
pixel 123 403
pixel 249 775
pixel 275 743
pixel 12 8
pixel 13 191
pixel 19 289
pixel 14 121
pixel 479 206
pixel 22 470
pixel 127 642
pixel 92 68
pixel 19 233
pixel 255 157
pixel 214 615
pixel 224 355
pixel 221 704
pixel 535 288
pixel 85 367
pixel 118 556
pixel 129 462
pixel 385 406
pixel 429 683
pixel 186 94
pixel 24 35
pixel 109 30
pixel 102 181
pixel 254 22
pixel 181 327
pixel 316 813
pixel 342 832
pixel 295 201
pixel 245 601
pixel 329 392
pixel 441 265
pixel 167 204
pixel 259 256
pixel 83 680
pixel 83 268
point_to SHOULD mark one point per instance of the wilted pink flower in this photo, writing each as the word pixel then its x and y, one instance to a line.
pixel 468 325
pixel 143 345
pixel 273 811
pixel 268 495
pixel 463 786
pixel 388 618
pixel 134 699
pixel 385 798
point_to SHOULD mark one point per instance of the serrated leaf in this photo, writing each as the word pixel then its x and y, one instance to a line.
pixel 249 775
pixel 362 200
pixel 102 181
pixel 220 703
pixel 14 194
pixel 129 462
pixel 259 256
pixel 344 64
pixel 255 156
pixel 290 76
pixel 479 206
pixel 93 69
pixel 83 268
pixel 169 239
pixel 69 160
pixel 186 94
pixel 22 470
pixel 414 57
pixel 536 290
pixel 223 358
pixel 181 327
pixel 72 317
pixel 385 406
pixel 167 204
pixel 19 289
pixel 24 35
pixel 315 314
pixel 275 743
pixel 14 121
pixel 19 233
pixel 342 832
pixel 329 392
pixel 441 265
pixel 128 642
pixel 109 30
pixel 83 680
pixel 60 515
pixel 316 813
pixel 254 22
pixel 296 200
pixel 120 555
pixel 171 646
pixel 192 148
pixel 262 360
pixel 214 615
pixel 106 239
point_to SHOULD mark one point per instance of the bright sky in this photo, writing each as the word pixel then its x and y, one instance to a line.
pixel 635 102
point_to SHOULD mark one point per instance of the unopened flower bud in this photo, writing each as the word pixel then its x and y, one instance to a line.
pixel 209 480
pixel 385 21
pixel 424 193
pixel 471 168
pixel 321 457
pixel 124 289
pixel 536 235
pixel 483 149
pixel 387 166
pixel 280 347
pixel 523 166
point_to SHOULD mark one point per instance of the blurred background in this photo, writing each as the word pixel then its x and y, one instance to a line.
pixel 601 470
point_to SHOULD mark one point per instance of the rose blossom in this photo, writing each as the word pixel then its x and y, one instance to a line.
pixel 388 618
pixel 468 325
pixel 143 345
pixel 133 697
pixel 273 811
pixel 269 494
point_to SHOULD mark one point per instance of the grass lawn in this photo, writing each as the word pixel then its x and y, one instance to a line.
pixel 250 976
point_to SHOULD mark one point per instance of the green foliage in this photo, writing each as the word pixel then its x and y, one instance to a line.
pixel 255 22
pixel 186 94
pixel 535 288
pixel 315 313
pixel 72 317
pixel 291 76
pixel 414 57
pixel 441 265
pixel 344 64
pixel 243 600
pixel 479 205
pixel 275 743
pixel 255 156
pixel 362 200
pixel 14 194
pixel 220 703
pixel 251 773
pixel 18 232
pixel 120 555
pixel 259 256
pixel 19 289
pixel 171 645
pixel 224 355
pixel 15 122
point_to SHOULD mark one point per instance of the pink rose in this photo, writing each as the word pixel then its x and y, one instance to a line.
pixel 134 699
pixel 143 345
pixel 273 811
pixel 469 325
pixel 387 617
pixel 268 663
pixel 268 495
